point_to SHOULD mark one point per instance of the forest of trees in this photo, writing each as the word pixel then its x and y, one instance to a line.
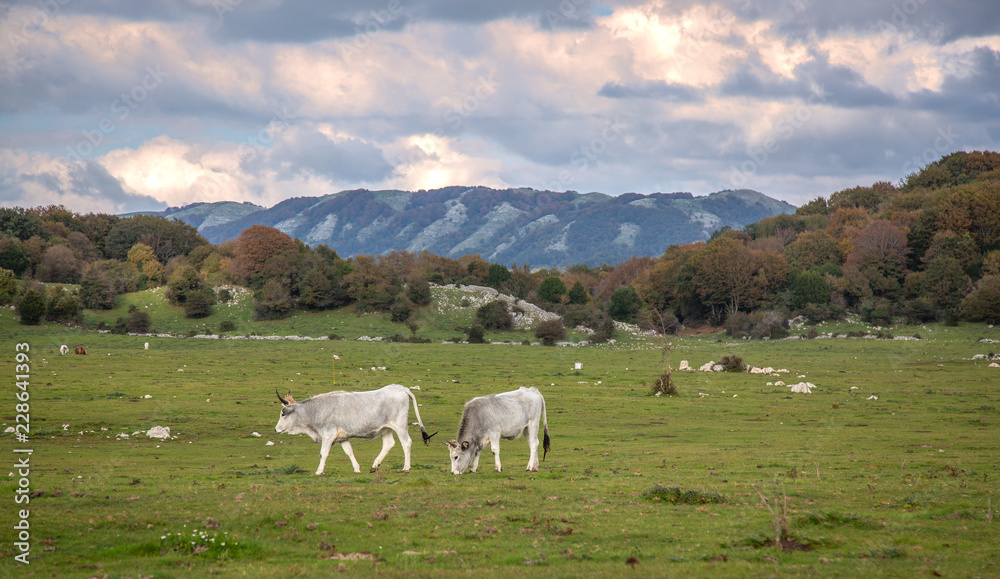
pixel 926 249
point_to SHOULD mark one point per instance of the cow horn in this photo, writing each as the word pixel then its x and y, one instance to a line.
pixel 427 437
pixel 283 401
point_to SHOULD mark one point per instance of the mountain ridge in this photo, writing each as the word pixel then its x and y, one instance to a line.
pixel 522 225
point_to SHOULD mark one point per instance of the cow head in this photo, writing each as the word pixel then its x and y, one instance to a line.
pixel 287 420
pixel 461 455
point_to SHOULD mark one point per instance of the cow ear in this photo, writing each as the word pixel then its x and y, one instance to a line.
pixel 465 445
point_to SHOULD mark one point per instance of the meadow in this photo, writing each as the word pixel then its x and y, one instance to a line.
pixel 888 468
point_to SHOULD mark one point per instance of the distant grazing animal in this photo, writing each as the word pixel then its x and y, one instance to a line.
pixel 339 416
pixel 80 350
pixel 487 419
pixel 64 349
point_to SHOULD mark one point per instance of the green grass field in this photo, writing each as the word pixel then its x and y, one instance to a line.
pixel 898 485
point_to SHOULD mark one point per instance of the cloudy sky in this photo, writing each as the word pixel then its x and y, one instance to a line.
pixel 118 105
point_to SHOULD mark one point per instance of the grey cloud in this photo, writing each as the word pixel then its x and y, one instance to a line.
pixel 658 90
pixel 348 160
pixel 970 97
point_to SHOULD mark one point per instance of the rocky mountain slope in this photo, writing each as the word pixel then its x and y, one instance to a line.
pixel 540 228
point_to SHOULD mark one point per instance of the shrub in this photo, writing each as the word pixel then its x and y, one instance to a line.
pixel 8 286
pixel 604 331
pixel 400 311
pixel 876 311
pixel 552 289
pixel 625 304
pixel 31 308
pixel 64 307
pixel 272 302
pixel 919 310
pixel 224 296
pixel 733 363
pixel 665 385
pixel 136 322
pixel 199 303
pixel 550 331
pixel 227 325
pixel 475 335
pixel 97 290
pixel 757 325
pixel 495 316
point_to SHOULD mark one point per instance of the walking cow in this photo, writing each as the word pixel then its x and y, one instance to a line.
pixel 340 416
pixel 487 419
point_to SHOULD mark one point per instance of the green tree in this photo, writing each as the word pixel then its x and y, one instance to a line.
pixel 498 277
pixel 945 282
pixel 31 308
pixel 495 316
pixel 96 290
pixel 625 304
pixel 12 256
pixel 199 302
pixel 983 302
pixel 272 302
pixel 371 286
pixel 8 286
pixel 552 289
pixel 809 288
pixel 550 331
pixel 185 281
pixel 578 294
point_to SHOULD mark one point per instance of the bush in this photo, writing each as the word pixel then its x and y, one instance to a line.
pixel 96 290
pixel 495 316
pixel 64 307
pixel 732 363
pixel 757 325
pixel 876 311
pixel 199 303
pixel 31 308
pixel 272 302
pixel 625 304
pixel 665 385
pixel 8 286
pixel 550 331
pixel 400 311
pixel 604 331
pixel 552 289
pixel 475 335
pixel 227 325
pixel 919 311
pixel 225 296
pixel 136 322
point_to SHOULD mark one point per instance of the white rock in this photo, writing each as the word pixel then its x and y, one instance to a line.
pixel 255 433
pixel 803 387
pixel 269 443
pixel 158 432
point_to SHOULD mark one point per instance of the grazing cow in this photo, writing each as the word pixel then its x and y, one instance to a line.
pixel 80 350
pixel 487 419
pixel 340 416
pixel 64 349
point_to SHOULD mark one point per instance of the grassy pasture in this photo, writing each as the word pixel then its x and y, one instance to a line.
pixel 901 485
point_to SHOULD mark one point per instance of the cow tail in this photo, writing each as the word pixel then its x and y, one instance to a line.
pixel 423 432
pixel 545 438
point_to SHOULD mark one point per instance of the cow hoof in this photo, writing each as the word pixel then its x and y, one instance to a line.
pixel 498 470
pixel 319 472
pixel 406 471
pixel 374 469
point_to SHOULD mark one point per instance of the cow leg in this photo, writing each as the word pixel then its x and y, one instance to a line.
pixel 531 433
pixel 495 444
pixel 346 445
pixel 324 451
pixel 406 442
pixel 475 461
pixel 387 444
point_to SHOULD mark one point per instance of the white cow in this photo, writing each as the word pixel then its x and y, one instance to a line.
pixel 340 416
pixel 487 419
pixel 64 349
